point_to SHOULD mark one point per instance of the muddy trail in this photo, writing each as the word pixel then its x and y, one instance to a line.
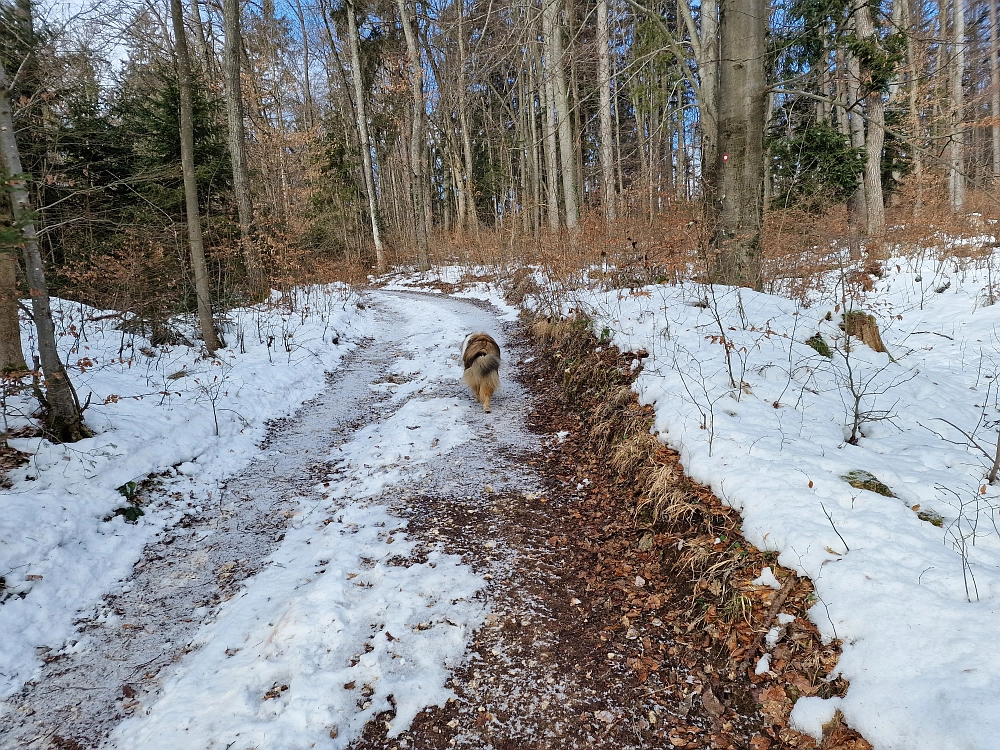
pixel 579 633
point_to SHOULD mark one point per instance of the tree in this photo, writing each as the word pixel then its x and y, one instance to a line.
pixel 237 132
pixel 956 144
pixel 195 239
pixel 607 141
pixel 739 206
pixel 417 131
pixel 555 66
pixel 361 120
pixel 63 415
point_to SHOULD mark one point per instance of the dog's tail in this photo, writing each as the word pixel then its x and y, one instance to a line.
pixel 483 367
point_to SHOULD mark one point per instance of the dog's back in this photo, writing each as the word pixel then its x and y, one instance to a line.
pixel 481 359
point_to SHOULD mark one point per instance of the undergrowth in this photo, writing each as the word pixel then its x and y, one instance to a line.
pixel 698 540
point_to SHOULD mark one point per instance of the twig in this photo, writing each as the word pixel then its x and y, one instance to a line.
pixel 786 589
pixel 830 519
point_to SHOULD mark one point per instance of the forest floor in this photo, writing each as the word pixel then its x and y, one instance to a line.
pixel 398 569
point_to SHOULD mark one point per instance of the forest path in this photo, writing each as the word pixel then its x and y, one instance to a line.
pixel 295 555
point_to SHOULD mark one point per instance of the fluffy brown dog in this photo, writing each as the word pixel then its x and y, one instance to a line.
pixel 481 357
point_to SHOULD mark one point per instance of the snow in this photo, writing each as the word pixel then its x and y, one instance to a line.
pixel 476 282
pixel 763 664
pixel 910 583
pixel 810 713
pixel 334 620
pixel 347 620
pixel 766 578
pixel 154 411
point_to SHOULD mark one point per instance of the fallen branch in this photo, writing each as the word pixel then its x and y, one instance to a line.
pixel 786 589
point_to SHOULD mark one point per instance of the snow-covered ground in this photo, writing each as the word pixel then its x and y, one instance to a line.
pixel 345 623
pixel 154 410
pixel 910 582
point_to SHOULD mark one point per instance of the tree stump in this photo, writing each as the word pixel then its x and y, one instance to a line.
pixel 863 326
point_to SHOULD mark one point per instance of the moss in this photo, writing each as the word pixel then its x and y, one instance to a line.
pixel 932 517
pixel 817 342
pixel 864 480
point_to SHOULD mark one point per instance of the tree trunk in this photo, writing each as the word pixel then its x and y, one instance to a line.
pixel 11 351
pixel 995 84
pixel 913 91
pixel 875 137
pixel 857 211
pixel 237 135
pixel 956 148
pixel 708 80
pixel 309 115
pixel 190 183
pixel 201 39
pixel 63 416
pixel 551 159
pixel 416 137
pixel 604 81
pixel 471 214
pixel 552 31
pixel 742 99
pixel 361 116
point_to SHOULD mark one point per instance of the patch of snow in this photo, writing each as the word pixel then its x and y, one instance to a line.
pixel 763 664
pixel 810 713
pixel 767 578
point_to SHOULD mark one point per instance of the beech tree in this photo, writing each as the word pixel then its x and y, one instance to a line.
pixel 195 238
pixel 742 94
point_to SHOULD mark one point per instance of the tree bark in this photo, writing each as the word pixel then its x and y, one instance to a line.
pixel 551 158
pixel 471 213
pixel 195 240
pixel 742 101
pixel 361 116
pixel 956 147
pixel 607 142
pixel 556 66
pixel 857 210
pixel 708 77
pixel 236 132
pixel 995 83
pixel 875 136
pixel 11 350
pixel 417 170
pixel 63 416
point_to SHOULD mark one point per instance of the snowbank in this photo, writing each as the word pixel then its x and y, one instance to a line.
pixel 909 582
pixel 162 410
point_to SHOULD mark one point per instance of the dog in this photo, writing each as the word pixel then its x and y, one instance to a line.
pixel 481 358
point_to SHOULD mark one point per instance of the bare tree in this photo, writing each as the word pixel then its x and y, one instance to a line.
pixel 361 119
pixel 555 65
pixel 607 139
pixel 875 135
pixel 956 147
pixel 232 26
pixel 195 241
pixel 63 415
pixel 995 86
pixel 417 131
